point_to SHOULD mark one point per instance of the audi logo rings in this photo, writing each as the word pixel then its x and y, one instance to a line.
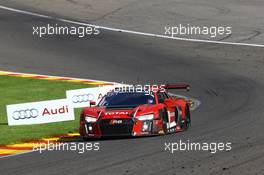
pixel 25 114
pixel 82 98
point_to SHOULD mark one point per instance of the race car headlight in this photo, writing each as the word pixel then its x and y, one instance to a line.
pixel 90 119
pixel 146 117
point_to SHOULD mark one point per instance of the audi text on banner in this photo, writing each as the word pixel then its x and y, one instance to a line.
pixel 82 97
pixel 40 112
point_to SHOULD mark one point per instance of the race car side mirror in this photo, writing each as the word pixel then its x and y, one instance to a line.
pixel 92 103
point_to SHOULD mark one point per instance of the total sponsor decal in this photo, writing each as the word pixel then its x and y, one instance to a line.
pixel 117 113
pixel 40 112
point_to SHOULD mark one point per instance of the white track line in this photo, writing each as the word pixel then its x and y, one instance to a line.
pixel 13 155
pixel 128 31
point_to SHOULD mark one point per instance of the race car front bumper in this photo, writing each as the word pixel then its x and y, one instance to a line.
pixel 119 127
pixel 124 128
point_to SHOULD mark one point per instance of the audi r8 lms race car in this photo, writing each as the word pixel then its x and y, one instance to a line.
pixel 126 113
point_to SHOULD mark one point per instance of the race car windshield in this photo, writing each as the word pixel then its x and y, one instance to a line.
pixel 126 99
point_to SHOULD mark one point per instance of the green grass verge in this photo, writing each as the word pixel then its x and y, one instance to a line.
pixel 15 90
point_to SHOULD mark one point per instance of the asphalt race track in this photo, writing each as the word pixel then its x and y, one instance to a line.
pixel 228 80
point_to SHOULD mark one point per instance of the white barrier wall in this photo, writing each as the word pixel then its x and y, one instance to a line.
pixel 81 97
pixel 54 110
pixel 40 112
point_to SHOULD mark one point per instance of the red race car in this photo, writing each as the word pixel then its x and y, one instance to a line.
pixel 126 113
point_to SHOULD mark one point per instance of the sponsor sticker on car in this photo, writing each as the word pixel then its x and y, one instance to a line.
pixel 115 122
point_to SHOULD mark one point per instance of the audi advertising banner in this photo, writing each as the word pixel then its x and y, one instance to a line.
pixel 81 97
pixel 40 112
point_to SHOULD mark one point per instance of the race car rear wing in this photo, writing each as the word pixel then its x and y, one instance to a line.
pixel 177 86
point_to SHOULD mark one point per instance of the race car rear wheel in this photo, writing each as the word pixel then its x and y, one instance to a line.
pixel 187 121
pixel 165 121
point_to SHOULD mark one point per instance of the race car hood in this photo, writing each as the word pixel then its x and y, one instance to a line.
pixel 118 113
pixel 109 113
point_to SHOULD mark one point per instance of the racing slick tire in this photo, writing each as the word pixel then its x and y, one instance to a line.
pixel 187 121
pixel 85 139
pixel 165 121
